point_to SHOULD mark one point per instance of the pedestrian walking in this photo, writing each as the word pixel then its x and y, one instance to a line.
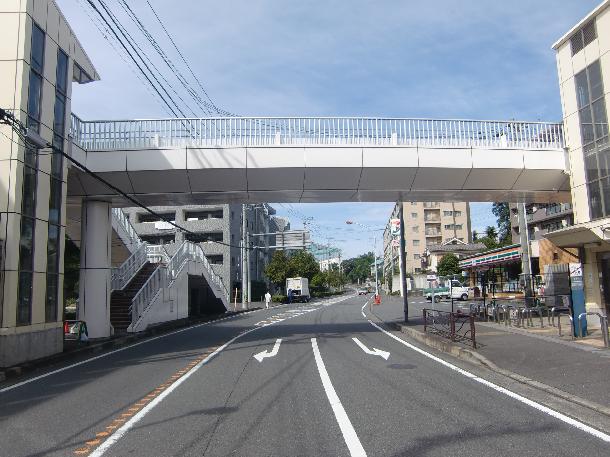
pixel 267 299
pixel 289 296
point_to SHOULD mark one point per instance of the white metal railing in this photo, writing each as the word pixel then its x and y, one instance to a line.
pixel 123 221
pixel 128 269
pixel 166 273
pixel 267 131
pixel 122 275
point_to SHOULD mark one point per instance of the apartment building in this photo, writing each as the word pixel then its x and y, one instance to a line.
pixel 427 225
pixel 583 65
pixel 40 58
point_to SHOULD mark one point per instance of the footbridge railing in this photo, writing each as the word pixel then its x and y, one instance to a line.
pixel 269 131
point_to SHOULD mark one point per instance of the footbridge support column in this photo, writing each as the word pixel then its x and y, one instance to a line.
pixel 95 267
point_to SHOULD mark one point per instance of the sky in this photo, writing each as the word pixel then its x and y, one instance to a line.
pixel 441 59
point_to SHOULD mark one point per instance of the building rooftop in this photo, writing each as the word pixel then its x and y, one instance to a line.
pixel 582 22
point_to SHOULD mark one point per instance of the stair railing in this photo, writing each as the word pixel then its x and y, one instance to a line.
pixel 128 269
pixel 167 272
pixel 122 221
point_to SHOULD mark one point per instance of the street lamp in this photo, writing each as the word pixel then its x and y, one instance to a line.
pixel 371 229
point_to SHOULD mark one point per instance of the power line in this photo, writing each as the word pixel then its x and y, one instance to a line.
pixel 105 33
pixel 101 15
pixel 218 110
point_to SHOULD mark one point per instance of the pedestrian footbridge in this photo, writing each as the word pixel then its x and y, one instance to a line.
pixel 331 159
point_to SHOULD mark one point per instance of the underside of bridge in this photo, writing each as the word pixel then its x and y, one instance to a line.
pixel 189 175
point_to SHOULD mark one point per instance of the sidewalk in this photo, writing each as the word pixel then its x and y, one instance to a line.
pixel 580 370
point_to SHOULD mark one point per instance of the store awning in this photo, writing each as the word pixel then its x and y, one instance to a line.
pixel 493 257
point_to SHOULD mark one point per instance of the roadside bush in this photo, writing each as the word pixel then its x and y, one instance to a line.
pixel 279 298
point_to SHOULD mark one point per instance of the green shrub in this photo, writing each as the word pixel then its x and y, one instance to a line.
pixel 279 298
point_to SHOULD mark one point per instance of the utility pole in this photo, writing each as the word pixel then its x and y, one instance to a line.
pixel 376 269
pixel 244 261
pixel 403 265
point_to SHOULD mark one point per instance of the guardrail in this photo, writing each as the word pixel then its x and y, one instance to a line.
pixel 455 326
pixel 269 131
pixel 165 274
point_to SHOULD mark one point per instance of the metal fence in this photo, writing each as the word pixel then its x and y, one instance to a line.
pixel 268 131
pixel 455 326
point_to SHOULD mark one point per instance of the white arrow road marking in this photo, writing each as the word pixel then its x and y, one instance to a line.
pixel 375 351
pixel 263 355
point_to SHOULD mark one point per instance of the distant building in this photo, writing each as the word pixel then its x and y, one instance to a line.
pixel 427 224
pixel 325 255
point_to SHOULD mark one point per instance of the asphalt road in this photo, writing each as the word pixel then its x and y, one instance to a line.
pixel 316 392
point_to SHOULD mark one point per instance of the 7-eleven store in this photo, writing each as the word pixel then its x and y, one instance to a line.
pixel 498 269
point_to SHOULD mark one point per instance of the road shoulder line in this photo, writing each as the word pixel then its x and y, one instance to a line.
pixel 538 406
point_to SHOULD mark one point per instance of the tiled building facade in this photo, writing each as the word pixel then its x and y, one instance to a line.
pixel 40 57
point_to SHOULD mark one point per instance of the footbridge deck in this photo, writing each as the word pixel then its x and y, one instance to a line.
pixel 307 159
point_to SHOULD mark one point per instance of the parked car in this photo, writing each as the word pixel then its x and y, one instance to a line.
pixel 363 291
pixel 454 289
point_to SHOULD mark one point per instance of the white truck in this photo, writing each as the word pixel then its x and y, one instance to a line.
pixel 299 288
pixel 452 289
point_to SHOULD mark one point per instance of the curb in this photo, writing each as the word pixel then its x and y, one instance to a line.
pixel 475 358
pixel 109 344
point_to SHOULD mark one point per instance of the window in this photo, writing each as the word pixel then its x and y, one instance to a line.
pixel 416 256
pixel 204 237
pixel 202 215
pixel 583 37
pixel 30 182
pixel 159 239
pixel 594 136
pixel 414 215
pixel 215 259
pixel 447 213
pixel 415 242
pixel 457 213
pixel 449 226
pixel 56 183
pixel 415 229
pixel 457 226
pixel 147 217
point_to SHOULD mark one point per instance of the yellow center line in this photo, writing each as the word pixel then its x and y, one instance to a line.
pixel 137 406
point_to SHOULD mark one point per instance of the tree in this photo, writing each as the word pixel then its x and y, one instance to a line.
pixel 448 265
pixel 277 269
pixel 303 264
pixel 358 268
pixel 502 213
pixel 490 243
pixel 491 232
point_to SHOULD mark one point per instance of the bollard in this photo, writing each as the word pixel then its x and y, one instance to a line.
pixel 558 324
pixel 580 332
pixel 604 322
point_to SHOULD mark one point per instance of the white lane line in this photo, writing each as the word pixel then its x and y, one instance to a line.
pixel 106 354
pixel 272 353
pixel 349 434
pixel 120 432
pixel 551 412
